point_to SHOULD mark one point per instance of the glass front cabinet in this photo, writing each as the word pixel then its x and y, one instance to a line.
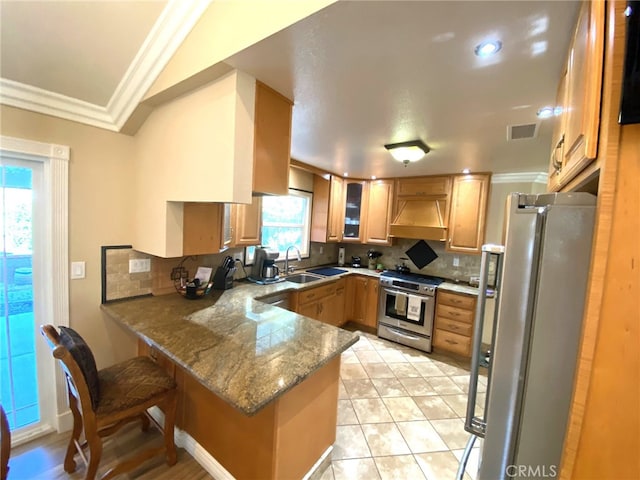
pixel 354 195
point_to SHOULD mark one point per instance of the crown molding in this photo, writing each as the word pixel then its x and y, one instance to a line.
pixel 173 25
pixel 38 100
pixel 520 177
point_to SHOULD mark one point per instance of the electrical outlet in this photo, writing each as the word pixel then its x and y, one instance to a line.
pixel 456 261
pixel 139 265
pixel 321 249
pixel 239 256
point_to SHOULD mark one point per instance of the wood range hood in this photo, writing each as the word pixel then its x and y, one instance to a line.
pixel 421 218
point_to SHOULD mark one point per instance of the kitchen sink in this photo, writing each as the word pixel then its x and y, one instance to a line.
pixel 303 278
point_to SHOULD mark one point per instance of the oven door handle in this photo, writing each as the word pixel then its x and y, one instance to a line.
pixel 423 298
pixel 402 334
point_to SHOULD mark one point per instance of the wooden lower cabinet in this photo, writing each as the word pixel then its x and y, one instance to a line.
pixel 362 300
pixel 283 440
pixel 324 303
pixel 453 325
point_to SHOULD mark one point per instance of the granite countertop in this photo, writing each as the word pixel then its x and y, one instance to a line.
pixel 459 288
pixel 245 351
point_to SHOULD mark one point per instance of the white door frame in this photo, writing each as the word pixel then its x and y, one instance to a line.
pixel 55 299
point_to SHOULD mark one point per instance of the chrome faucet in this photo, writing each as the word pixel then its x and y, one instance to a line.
pixel 286 260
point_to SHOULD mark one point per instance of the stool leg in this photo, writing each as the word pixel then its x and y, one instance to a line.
pixel 95 452
pixel 145 422
pixel 169 422
pixel 69 462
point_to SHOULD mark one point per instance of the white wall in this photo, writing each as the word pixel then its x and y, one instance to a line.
pixel 197 148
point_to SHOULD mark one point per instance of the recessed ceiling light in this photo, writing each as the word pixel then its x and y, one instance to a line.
pixel 488 48
pixel 373 177
pixel 345 174
pixel 548 112
pixel 466 171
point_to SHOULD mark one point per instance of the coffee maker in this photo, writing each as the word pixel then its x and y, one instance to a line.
pixel 263 257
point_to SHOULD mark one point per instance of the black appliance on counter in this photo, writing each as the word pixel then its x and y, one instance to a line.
pixel 223 278
pixel 356 262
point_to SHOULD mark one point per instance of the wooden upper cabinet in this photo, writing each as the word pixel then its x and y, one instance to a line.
pixel 423 186
pixel 203 229
pixel 272 142
pixel 582 91
pixel 378 212
pixel 335 210
pixel 247 223
pixel 557 146
pixel 468 213
pixel 327 209
pixel 355 204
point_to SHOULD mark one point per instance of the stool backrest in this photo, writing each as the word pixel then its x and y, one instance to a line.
pixel 76 380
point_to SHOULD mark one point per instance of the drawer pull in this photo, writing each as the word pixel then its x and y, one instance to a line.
pixel 453 327
pixel 451 342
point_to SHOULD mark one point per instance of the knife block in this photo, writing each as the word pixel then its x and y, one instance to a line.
pixel 223 278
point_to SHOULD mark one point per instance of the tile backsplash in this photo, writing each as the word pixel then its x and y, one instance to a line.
pixel 468 265
pixel 122 284
pixel 119 282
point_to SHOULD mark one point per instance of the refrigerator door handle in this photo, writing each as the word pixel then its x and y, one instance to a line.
pixel 473 424
pixel 465 457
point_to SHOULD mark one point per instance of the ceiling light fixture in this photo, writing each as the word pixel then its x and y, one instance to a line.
pixel 373 177
pixel 488 48
pixel 466 171
pixel 548 112
pixel 406 152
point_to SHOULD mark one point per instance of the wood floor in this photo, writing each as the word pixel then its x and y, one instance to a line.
pixel 42 459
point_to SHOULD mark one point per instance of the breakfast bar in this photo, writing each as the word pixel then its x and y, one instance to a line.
pixel 258 385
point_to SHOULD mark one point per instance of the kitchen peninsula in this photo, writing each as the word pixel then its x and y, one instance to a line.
pixel 258 385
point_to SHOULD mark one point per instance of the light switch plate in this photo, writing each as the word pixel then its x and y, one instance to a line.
pixel 77 270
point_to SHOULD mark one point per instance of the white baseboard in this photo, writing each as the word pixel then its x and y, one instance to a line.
pixel 325 457
pixel 64 421
pixel 193 448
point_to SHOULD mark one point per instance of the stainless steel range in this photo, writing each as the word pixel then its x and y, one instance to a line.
pixel 406 308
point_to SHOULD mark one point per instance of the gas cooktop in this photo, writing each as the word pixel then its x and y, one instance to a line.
pixel 413 277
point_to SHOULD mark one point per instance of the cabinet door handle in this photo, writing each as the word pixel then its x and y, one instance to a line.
pixel 557 164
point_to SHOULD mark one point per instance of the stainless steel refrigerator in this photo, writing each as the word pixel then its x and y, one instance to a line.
pixel 541 279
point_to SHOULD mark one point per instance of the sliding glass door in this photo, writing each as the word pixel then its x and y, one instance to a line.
pixel 24 383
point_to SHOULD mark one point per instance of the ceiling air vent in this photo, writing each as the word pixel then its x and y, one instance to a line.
pixel 519 132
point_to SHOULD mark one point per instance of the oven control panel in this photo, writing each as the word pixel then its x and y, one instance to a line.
pixel 409 286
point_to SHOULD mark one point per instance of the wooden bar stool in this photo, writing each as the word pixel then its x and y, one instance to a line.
pixel 5 444
pixel 103 401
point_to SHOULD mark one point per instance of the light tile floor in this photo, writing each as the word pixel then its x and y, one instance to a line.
pixel 401 414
